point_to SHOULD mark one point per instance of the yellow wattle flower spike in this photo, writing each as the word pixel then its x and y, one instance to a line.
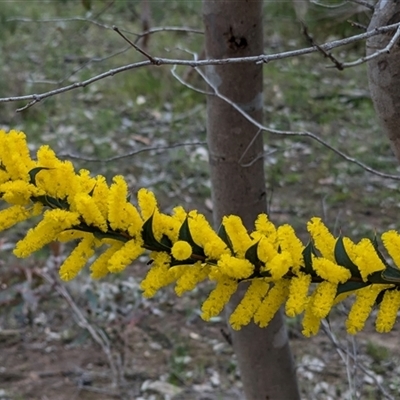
pixel 270 305
pixel 218 298
pixel 311 322
pixel 324 241
pixel 388 310
pixel 78 258
pixel 362 307
pixel 298 291
pixel 266 228
pixel 53 223
pixel 12 215
pixel 250 303
pixel 191 276
pixel 367 259
pixel 391 240
pixel 322 299
pixel 330 271
pixel 14 157
pixel 238 234
pixel 99 268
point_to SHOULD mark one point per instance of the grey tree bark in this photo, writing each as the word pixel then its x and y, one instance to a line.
pixel 234 29
pixel 384 72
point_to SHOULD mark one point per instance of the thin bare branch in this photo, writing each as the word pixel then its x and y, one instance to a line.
pixel 97 334
pixel 135 46
pixel 131 154
pixel 365 59
pixel 363 3
pixel 357 25
pixel 80 68
pixel 325 53
pixel 328 5
pixel 344 352
pixel 263 58
pixel 188 85
pixel 55 20
pixel 181 29
pixel 247 149
pixel 311 135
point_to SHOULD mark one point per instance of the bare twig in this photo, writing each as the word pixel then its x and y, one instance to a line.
pixel 188 85
pixel 76 70
pixel 181 29
pixel 311 135
pixel 363 3
pixel 377 53
pixel 247 149
pixel 151 31
pixel 357 25
pixel 97 334
pixel 133 153
pixel 321 50
pixel 136 47
pixel 329 5
pixel 263 58
pixel 72 19
pixel 344 352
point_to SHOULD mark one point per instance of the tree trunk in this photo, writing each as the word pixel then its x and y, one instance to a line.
pixel 384 72
pixel 234 29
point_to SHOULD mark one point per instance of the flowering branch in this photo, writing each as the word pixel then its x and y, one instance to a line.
pixel 185 250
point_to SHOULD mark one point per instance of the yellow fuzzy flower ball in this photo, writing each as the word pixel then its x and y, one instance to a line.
pixel 181 250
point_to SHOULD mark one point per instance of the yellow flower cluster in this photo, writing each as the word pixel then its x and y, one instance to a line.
pixel 278 268
pixel 75 206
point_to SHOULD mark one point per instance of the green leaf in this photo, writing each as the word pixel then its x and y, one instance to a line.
pixel 391 275
pixel 376 277
pixel 308 251
pixel 380 255
pixel 32 174
pixel 224 236
pixel 379 298
pixel 350 286
pixel 185 234
pixel 252 255
pixel 92 191
pixel 343 259
pixel 57 203
pixel 51 202
pixel 189 261
pixel 165 240
pixel 150 240
pixel 104 235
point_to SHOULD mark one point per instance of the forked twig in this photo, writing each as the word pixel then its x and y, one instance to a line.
pixel 377 53
pixel 136 47
pixel 264 128
pixel 326 54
